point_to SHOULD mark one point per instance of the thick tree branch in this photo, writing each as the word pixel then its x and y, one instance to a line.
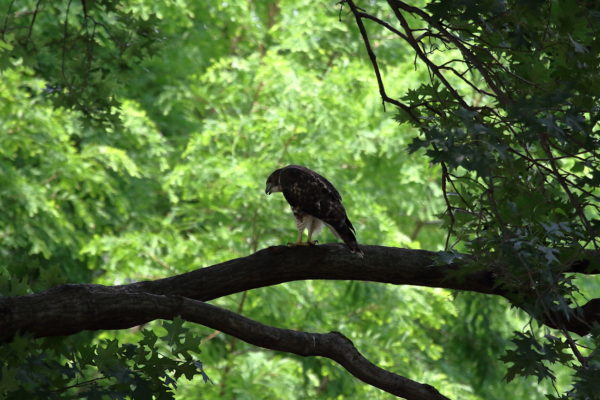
pixel 280 264
pixel 72 308
pixel 272 266
pixel 581 322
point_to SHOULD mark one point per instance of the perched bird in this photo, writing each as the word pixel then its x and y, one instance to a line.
pixel 314 202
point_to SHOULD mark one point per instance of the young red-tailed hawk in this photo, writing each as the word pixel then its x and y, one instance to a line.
pixel 314 202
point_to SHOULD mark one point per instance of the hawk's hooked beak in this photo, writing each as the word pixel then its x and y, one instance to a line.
pixel 268 189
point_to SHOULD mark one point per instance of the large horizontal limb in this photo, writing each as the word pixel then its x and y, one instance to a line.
pixel 391 265
pixel 276 265
pixel 279 264
pixel 72 308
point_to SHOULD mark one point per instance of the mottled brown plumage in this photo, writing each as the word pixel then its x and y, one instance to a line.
pixel 314 201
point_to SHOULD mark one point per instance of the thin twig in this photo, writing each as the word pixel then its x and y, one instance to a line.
pixel 385 98
pixel 433 68
pixel 382 23
pixel 448 205
pixel 35 13
pixel 64 46
pixel 501 95
pixel 63 389
pixel 5 27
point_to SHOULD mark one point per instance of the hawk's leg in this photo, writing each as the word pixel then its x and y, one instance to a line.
pixel 310 233
pixel 299 241
pixel 314 227
pixel 301 224
pixel 308 222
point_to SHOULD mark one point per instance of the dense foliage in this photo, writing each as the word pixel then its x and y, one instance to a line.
pixel 510 114
pixel 136 138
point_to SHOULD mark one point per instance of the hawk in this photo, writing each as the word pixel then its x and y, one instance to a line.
pixel 315 202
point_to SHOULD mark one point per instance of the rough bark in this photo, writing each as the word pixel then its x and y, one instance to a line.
pixel 272 266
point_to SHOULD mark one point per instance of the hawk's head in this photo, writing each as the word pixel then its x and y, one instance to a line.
pixel 273 184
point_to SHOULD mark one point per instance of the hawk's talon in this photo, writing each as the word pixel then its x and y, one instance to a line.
pixel 298 244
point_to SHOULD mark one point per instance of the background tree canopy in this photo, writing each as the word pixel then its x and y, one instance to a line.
pixel 136 138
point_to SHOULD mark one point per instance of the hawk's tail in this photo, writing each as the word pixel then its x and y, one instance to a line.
pixel 345 231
